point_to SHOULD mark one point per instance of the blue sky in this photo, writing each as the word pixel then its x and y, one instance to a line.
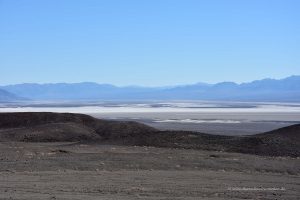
pixel 148 42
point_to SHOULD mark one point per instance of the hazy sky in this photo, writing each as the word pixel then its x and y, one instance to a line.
pixel 148 42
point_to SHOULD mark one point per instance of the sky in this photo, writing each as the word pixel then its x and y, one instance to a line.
pixel 148 42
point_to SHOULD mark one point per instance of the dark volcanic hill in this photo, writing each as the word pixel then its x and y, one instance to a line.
pixel 58 127
pixel 68 127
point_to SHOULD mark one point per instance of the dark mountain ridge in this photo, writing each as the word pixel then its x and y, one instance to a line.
pixel 68 127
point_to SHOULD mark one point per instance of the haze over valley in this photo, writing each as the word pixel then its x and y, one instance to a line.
pixel 224 108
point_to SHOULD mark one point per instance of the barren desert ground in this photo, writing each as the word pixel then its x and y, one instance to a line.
pixel 35 171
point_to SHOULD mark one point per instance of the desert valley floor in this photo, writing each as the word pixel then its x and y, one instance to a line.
pixel 92 171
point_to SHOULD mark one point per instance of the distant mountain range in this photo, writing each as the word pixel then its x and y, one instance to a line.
pixel 8 97
pixel 287 90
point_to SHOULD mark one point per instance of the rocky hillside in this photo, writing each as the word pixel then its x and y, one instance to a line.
pixel 68 127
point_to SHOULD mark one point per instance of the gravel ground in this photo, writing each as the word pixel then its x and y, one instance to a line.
pixel 88 171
